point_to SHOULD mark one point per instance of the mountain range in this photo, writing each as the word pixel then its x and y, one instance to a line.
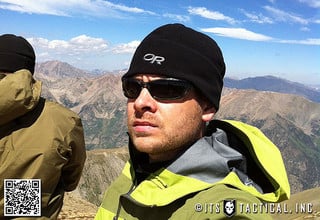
pixel 291 122
pixel 275 84
pixel 287 112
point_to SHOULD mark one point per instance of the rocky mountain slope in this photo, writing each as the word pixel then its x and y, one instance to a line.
pixel 101 168
pixel 291 122
pixel 303 205
pixel 97 99
pixel 74 207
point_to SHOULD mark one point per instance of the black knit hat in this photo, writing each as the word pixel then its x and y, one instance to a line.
pixel 177 51
pixel 15 54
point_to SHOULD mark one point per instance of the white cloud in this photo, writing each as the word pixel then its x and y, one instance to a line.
pixel 305 29
pixel 84 52
pixel 283 16
pixel 309 41
pixel 27 6
pixel 213 15
pixel 239 33
pixel 122 7
pixel 311 3
pixel 180 18
pixel 70 7
pixel 126 48
pixel 257 18
pixel 78 45
pixel 86 43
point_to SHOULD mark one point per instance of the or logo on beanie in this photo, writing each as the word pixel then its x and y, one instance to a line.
pixel 149 57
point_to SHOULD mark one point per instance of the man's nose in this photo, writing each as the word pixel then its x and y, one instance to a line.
pixel 145 102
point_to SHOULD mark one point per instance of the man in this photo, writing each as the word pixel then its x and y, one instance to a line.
pixel 38 139
pixel 179 168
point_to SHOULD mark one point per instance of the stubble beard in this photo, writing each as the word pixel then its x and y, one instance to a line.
pixel 169 142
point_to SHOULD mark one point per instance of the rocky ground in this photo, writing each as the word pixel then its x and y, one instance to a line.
pixel 75 208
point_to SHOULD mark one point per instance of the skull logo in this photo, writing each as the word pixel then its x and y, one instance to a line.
pixel 229 207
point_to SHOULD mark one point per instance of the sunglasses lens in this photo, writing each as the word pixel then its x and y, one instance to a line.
pixel 168 89
pixel 161 89
pixel 131 88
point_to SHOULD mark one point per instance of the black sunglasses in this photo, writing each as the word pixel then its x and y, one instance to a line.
pixel 160 89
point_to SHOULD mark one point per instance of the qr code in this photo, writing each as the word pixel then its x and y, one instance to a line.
pixel 22 197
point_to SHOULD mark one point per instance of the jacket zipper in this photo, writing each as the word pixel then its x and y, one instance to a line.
pixel 133 186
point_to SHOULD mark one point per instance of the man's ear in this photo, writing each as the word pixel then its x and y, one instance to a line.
pixel 208 113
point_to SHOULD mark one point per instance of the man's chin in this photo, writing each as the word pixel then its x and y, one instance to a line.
pixel 146 144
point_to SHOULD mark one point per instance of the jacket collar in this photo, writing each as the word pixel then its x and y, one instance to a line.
pixel 209 159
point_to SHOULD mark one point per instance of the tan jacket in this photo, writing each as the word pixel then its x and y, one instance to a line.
pixel 38 140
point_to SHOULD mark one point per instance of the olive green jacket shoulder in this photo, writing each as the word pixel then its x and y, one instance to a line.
pixel 234 163
pixel 39 139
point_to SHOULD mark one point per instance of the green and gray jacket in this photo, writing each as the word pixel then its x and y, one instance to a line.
pixel 233 162
pixel 38 140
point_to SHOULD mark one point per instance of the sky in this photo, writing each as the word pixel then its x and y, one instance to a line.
pixel 266 37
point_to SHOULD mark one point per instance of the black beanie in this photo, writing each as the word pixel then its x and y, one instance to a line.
pixel 174 50
pixel 16 53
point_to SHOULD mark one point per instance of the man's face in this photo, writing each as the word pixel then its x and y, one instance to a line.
pixel 162 128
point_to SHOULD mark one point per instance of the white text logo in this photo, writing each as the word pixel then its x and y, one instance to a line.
pixel 153 58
